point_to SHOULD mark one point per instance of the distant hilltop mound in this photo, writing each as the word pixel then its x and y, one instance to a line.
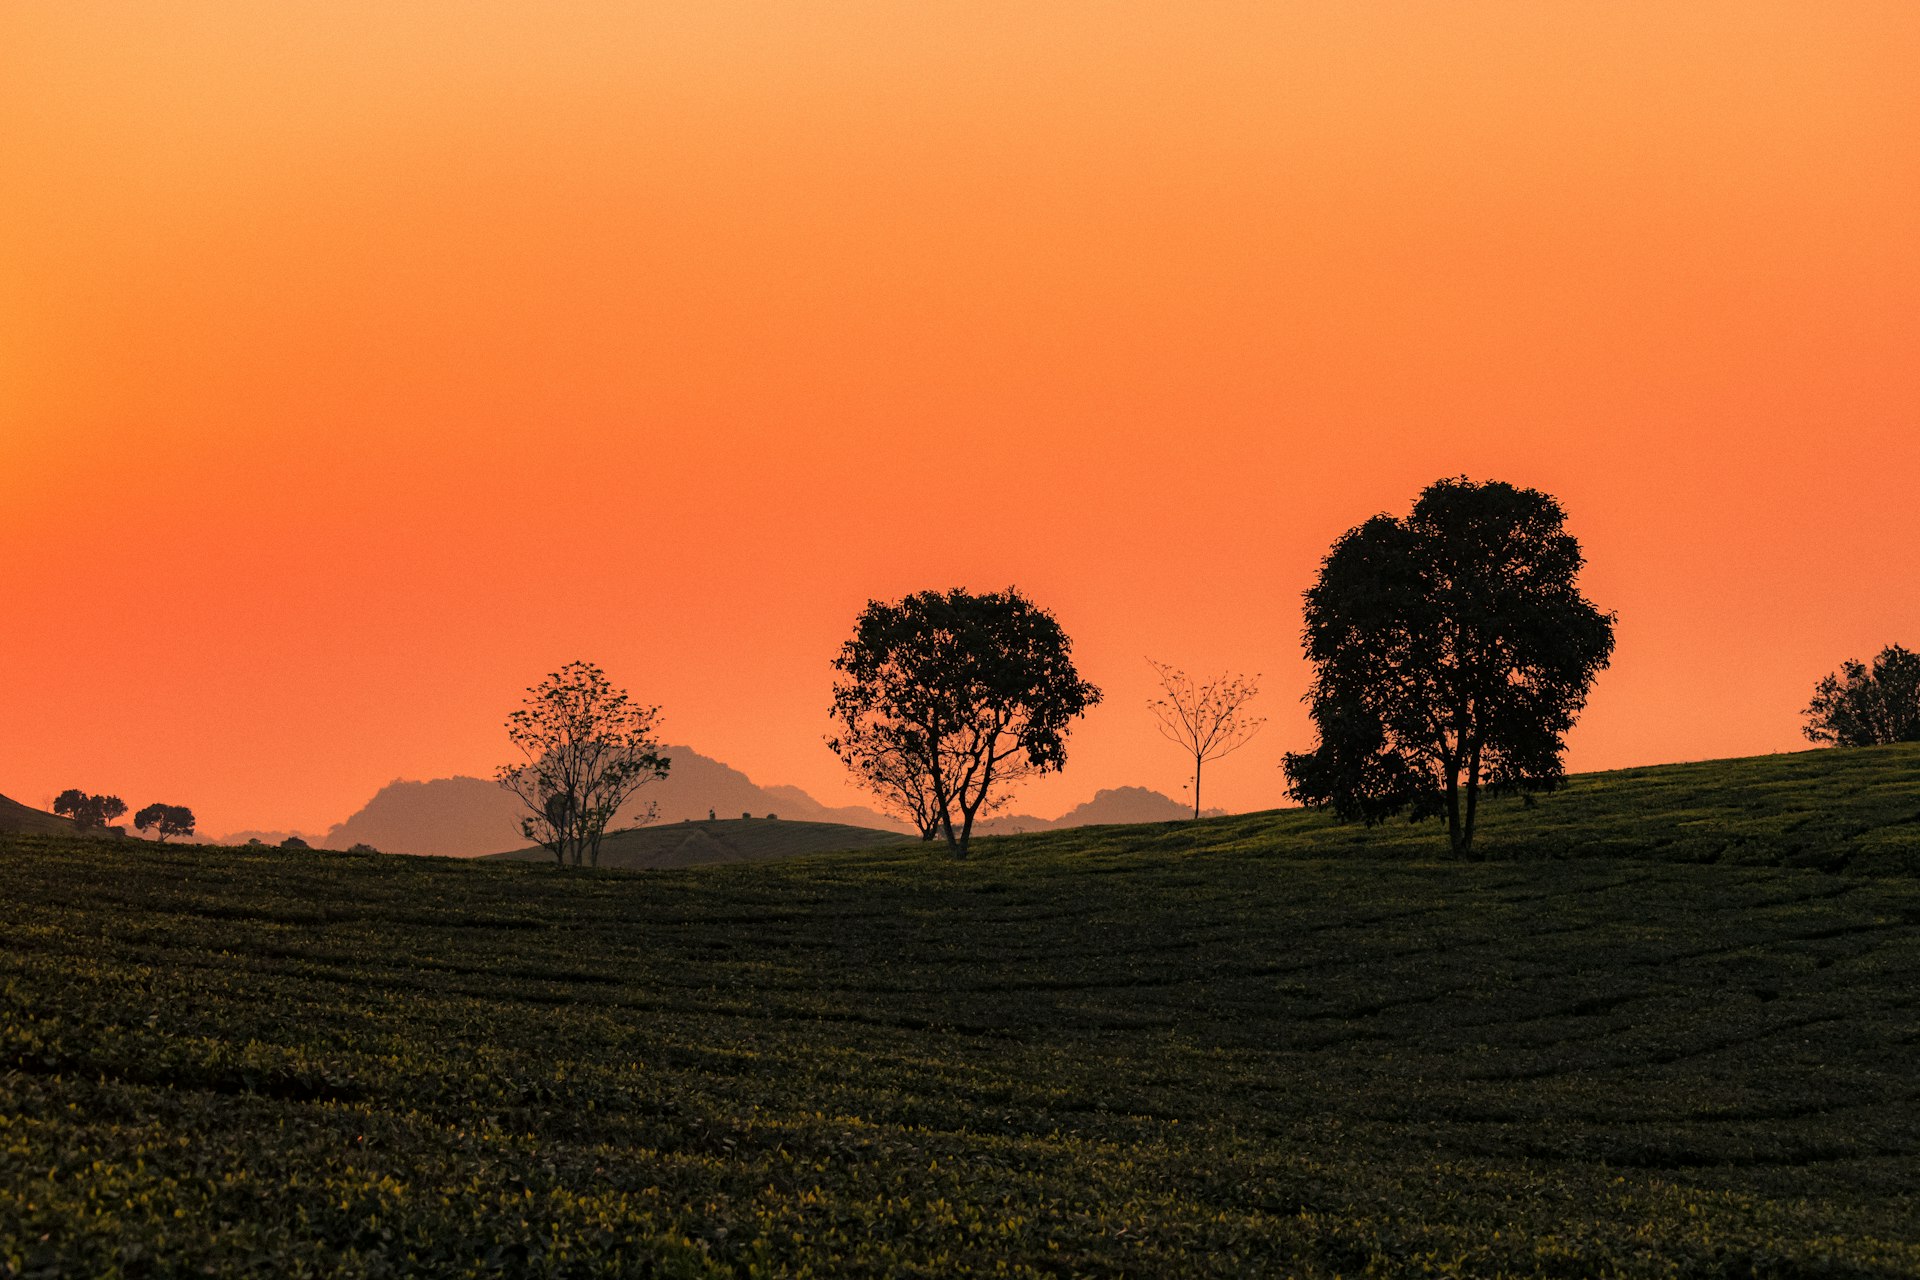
pixel 464 817
pixel 1110 806
pixel 17 819
pixel 711 842
pixel 467 817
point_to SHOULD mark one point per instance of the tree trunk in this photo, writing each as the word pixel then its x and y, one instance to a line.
pixel 1473 797
pixel 1455 839
pixel 1197 762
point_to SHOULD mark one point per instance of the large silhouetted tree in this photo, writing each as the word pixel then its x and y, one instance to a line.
pixel 947 698
pixel 1866 706
pixel 586 747
pixel 1452 650
pixel 88 812
pixel 1206 719
pixel 165 820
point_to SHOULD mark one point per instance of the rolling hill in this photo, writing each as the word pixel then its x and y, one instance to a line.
pixel 1110 806
pixel 711 842
pixel 1665 1029
pixel 20 819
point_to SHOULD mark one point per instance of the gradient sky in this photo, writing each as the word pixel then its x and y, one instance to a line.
pixel 360 363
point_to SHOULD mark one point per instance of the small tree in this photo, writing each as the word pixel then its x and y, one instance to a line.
pixel 294 842
pixel 1207 721
pixel 165 820
pixel 1868 706
pixel 955 696
pixel 88 812
pixel 587 748
pixel 1450 649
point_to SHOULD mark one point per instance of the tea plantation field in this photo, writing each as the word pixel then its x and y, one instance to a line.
pixel 1669 1028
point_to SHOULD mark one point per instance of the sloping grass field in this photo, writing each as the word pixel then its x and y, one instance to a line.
pixel 675 845
pixel 1668 1028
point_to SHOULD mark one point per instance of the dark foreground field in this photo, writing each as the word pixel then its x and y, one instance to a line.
pixel 1166 1051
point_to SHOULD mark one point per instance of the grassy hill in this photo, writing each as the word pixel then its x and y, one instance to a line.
pixel 1840 811
pixel 17 819
pixel 701 844
pixel 1625 1046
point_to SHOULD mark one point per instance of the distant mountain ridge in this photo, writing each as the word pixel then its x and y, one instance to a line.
pixel 1110 805
pixel 467 817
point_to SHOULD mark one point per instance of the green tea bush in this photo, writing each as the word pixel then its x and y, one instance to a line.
pixel 1259 1045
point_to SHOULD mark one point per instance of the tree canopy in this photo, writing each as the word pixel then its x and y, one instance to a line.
pixel 944 699
pixel 1864 706
pixel 586 747
pixel 1451 650
pixel 88 812
pixel 165 820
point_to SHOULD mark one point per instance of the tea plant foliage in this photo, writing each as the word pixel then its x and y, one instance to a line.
pixel 1664 1032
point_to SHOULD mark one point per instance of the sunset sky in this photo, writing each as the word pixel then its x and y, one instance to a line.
pixel 362 362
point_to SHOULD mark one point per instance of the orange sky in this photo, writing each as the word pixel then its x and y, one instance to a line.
pixel 360 363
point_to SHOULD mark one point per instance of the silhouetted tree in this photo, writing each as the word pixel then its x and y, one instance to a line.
pixel 900 781
pixel 88 811
pixel 965 693
pixel 1868 706
pixel 1207 721
pixel 294 842
pixel 165 820
pixel 1451 649
pixel 588 747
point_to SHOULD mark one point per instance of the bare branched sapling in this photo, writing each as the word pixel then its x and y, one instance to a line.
pixel 1207 720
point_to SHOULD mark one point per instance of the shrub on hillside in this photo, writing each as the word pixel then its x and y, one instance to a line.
pixel 88 811
pixel 1864 706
